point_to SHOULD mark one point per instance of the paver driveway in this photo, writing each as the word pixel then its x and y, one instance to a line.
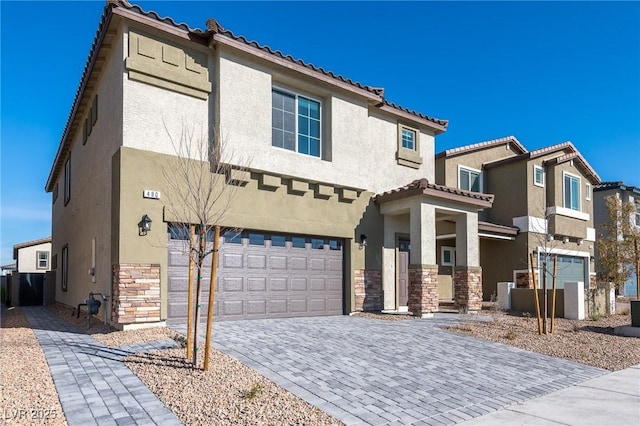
pixel 370 371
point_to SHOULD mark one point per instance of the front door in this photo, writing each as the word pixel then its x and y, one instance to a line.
pixel 403 272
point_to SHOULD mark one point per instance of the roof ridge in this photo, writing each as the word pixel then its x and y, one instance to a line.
pixel 484 144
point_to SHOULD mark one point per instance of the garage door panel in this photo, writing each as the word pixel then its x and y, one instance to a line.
pixel 232 261
pixel 317 305
pixel 318 284
pixel 298 284
pixel 297 305
pixel 257 284
pixel 256 261
pixel 299 263
pixel 278 262
pixel 260 281
pixel 318 264
pixel 232 308
pixel 231 285
pixel 278 284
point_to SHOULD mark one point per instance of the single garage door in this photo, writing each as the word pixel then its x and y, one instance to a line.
pixel 262 275
pixel 570 269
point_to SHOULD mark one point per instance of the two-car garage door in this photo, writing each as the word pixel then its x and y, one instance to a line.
pixel 262 275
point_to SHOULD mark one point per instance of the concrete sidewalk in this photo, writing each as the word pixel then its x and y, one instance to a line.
pixel 612 399
pixel 94 386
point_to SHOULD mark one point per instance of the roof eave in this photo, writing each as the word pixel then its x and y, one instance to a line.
pixel 436 127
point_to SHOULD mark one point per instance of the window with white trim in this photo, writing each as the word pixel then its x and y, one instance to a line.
pixel 296 123
pixel 538 176
pixel 571 190
pixel 637 204
pixel 42 260
pixel 408 138
pixel 469 179
pixel 448 256
pixel 587 191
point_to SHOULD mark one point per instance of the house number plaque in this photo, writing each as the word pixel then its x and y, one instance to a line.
pixel 148 193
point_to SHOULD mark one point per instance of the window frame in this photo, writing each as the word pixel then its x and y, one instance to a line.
pixel 296 95
pixel 452 259
pixel 542 176
pixel 38 260
pixel 470 170
pixel 407 156
pixel 64 282
pixel 67 180
pixel 587 191
pixel 566 175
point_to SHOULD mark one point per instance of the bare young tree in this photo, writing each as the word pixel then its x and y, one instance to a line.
pixel 201 182
pixel 618 244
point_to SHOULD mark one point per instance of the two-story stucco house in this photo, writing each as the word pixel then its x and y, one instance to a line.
pixel 28 284
pixel 544 195
pixel 626 194
pixel 339 207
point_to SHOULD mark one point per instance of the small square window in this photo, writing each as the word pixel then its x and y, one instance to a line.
pixel 298 242
pixel 278 241
pixel 469 179
pixel 334 245
pixel 256 239
pixel 232 237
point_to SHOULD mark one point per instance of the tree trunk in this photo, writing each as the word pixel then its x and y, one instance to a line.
pixel 212 292
pixel 201 250
pixel 544 295
pixel 190 293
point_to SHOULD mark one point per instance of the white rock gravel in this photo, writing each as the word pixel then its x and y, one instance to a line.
pixel 27 393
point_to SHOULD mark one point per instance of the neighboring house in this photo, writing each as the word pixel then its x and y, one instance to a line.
pixel 627 194
pixel 339 209
pixel 545 194
pixel 28 284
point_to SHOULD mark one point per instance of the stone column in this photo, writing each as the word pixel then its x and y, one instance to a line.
pixel 467 282
pixel 136 293
pixel 423 290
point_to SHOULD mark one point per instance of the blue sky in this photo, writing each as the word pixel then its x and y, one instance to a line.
pixel 544 72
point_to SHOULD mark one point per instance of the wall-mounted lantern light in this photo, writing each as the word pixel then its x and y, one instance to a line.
pixel 144 225
pixel 565 240
pixel 363 241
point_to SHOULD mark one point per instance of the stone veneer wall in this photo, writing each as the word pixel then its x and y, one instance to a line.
pixel 368 290
pixel 467 282
pixel 423 290
pixel 136 293
pixel 523 280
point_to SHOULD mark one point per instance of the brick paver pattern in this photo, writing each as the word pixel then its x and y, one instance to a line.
pixel 94 386
pixel 369 371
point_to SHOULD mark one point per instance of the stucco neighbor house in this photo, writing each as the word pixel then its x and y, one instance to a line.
pixel 627 194
pixel 544 195
pixel 27 283
pixel 333 165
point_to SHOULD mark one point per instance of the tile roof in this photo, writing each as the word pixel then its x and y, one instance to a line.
pixel 482 145
pixel 423 186
pixel 616 185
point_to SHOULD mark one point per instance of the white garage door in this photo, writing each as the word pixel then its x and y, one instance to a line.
pixel 263 275
pixel 570 269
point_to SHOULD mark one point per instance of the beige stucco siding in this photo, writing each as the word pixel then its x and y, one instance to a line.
pixel 362 146
pixel 509 185
pixel 87 216
pixel 28 258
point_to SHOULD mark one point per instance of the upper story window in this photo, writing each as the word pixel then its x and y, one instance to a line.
pixel 42 260
pixel 67 181
pixel 408 153
pixel 295 123
pixel 469 179
pixel 408 138
pixel 637 213
pixel 587 192
pixel 571 188
pixel 538 176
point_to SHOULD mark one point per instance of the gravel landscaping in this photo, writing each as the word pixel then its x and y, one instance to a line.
pixel 231 393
